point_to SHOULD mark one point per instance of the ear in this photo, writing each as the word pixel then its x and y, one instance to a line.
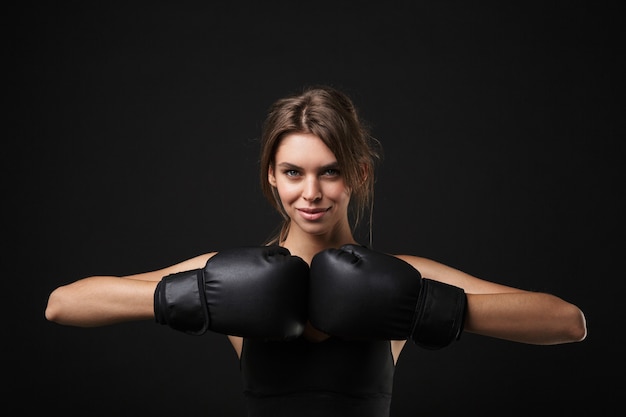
pixel 364 174
pixel 271 178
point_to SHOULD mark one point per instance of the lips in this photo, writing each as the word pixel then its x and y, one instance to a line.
pixel 312 213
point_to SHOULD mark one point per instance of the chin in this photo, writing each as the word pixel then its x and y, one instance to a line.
pixel 314 230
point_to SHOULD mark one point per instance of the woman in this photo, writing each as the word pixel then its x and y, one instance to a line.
pixel 317 169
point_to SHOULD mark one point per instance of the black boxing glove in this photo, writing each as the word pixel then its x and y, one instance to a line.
pixel 358 293
pixel 250 291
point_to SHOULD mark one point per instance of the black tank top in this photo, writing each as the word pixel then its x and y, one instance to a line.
pixel 331 378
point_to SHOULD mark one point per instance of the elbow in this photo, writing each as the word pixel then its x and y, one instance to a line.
pixel 563 322
pixel 52 311
pixel 54 307
pixel 573 324
pixel 578 331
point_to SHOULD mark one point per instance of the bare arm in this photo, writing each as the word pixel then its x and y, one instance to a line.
pixel 509 313
pixel 104 300
pixel 528 317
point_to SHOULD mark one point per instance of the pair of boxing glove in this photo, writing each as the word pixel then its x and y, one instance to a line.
pixel 351 293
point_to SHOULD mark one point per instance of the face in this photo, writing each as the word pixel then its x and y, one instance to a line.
pixel 310 184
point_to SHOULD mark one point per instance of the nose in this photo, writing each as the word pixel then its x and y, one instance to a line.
pixel 312 190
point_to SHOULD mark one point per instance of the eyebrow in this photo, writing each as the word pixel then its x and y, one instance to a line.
pixel 287 165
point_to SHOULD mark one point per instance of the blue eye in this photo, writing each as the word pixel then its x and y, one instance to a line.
pixel 291 172
pixel 331 172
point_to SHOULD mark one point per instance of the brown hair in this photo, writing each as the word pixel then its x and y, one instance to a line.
pixel 330 115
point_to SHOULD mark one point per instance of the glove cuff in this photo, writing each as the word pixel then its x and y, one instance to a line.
pixel 441 315
pixel 179 302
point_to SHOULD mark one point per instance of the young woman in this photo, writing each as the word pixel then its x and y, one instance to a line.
pixel 318 320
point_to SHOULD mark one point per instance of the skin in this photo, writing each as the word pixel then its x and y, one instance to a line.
pixel 311 188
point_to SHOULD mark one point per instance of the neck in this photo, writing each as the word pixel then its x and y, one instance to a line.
pixel 306 245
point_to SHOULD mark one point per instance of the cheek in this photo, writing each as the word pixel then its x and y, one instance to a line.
pixel 287 192
pixel 337 192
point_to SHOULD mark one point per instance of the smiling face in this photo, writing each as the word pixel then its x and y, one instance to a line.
pixel 303 136
pixel 310 186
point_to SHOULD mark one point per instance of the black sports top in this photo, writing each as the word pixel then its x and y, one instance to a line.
pixel 329 378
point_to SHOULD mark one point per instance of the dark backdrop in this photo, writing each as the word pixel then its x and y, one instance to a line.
pixel 131 145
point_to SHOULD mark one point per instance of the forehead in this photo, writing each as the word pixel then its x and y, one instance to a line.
pixel 298 148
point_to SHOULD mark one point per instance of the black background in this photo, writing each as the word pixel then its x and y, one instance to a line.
pixel 132 144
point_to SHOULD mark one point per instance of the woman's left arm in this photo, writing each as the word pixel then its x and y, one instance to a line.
pixel 504 312
pixel 527 317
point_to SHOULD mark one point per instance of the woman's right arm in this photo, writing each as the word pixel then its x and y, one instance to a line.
pixel 104 300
